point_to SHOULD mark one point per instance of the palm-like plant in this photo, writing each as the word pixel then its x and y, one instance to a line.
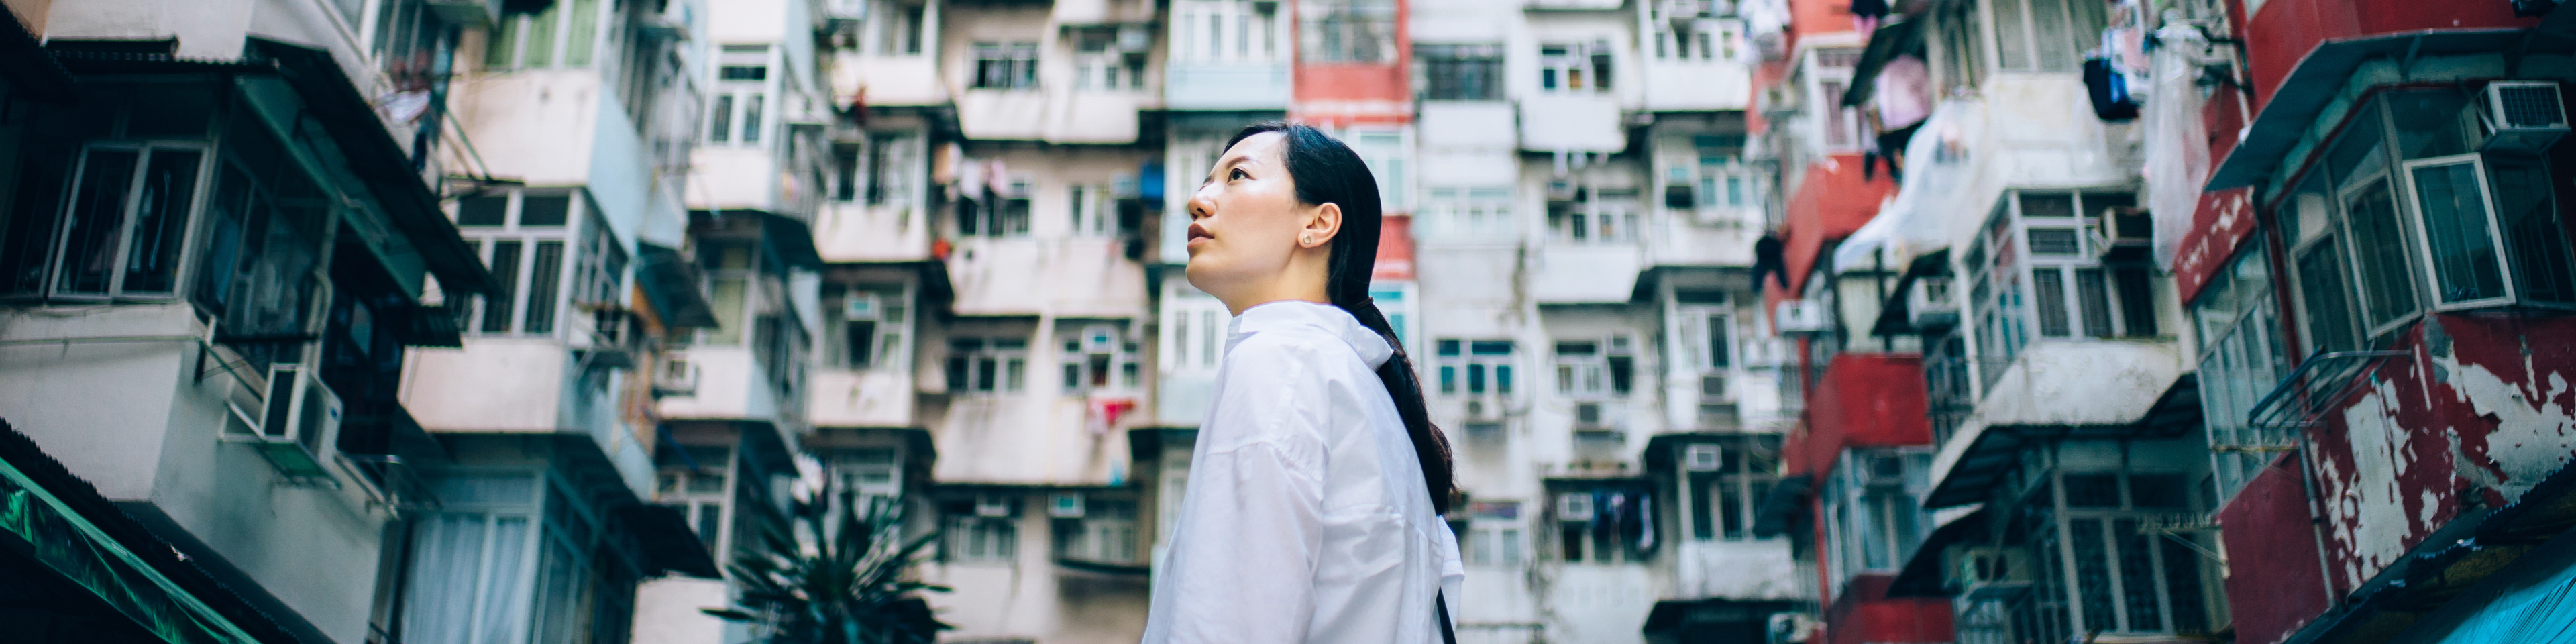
pixel 832 572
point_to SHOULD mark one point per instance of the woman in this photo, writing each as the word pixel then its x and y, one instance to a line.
pixel 1317 483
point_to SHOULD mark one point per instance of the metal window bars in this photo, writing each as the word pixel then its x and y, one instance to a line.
pixel 2275 422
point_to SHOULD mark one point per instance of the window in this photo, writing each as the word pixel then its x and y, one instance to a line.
pixel 2123 576
pixel 1703 40
pixel 1871 516
pixel 1225 31
pixel 1006 65
pixel 890 167
pixel 1094 212
pixel 1603 526
pixel 987 365
pixel 982 538
pixel 1574 67
pixel 1469 214
pixel 525 236
pixel 1587 369
pixel 739 108
pixel 1475 367
pixel 873 320
pixel 1347 31
pixel 1958 47
pixel 1715 329
pixel 567 34
pixel 1385 154
pixel 1098 357
pixel 1494 537
pixel 2464 236
pixel 897 28
pixel 2242 359
pixel 121 230
pixel 694 481
pixel 1842 125
pixel 2069 292
pixel 1193 331
pixel 1108 57
pixel 1001 215
pixel 1105 533
pixel 2044 35
pixel 1460 72
pixel 1718 179
pixel 729 269
pixel 1724 503
pixel 1595 216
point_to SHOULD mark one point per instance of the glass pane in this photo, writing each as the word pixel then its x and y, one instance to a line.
pixel 544 210
pixel 2182 585
pixel 2049 285
pixel 2465 264
pixel 2379 250
pixel 98 211
pixel 161 222
pixel 1475 378
pixel 2358 154
pixel 751 113
pixel 2430 122
pixel 482 210
pixel 585 33
pixel 496 45
pixel 2012 47
pixel 2047 205
pixel 497 305
pixel 2535 241
pixel 545 281
pixel 2055 241
pixel 725 297
pixel 2329 307
pixel 2093 300
pixel 541 39
pixel 2092 573
pixel 2137 301
pixel 720 124
pixel 2138 577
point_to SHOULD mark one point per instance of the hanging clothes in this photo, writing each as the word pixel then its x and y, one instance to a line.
pixel 1768 258
pixel 2109 91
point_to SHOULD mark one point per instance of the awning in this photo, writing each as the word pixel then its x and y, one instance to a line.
pixel 1782 507
pixel 792 240
pixel 2320 76
pixel 669 544
pixel 60 521
pixel 1889 41
pixel 1997 450
pixel 671 286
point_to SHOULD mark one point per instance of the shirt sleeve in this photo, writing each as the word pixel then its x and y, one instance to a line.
pixel 1254 516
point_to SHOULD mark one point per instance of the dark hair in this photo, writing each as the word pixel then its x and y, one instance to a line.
pixel 1326 171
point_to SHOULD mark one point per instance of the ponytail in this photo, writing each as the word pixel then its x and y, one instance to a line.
pixel 1326 171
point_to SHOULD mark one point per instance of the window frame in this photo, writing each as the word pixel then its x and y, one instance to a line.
pixel 1484 372
pixel 888 343
pixel 1016 62
pixel 1595 58
pixel 1464 72
pixel 1008 355
pixel 1116 371
pixel 2422 231
pixel 183 272
pixel 1471 214
pixel 581 221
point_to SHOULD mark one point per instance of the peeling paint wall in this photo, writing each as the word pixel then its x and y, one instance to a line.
pixel 2481 410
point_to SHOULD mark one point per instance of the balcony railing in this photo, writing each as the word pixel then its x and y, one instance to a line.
pixel 2275 422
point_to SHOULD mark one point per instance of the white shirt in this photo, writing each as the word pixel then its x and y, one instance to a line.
pixel 1306 518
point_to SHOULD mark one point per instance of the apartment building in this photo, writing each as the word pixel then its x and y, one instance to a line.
pixel 2215 311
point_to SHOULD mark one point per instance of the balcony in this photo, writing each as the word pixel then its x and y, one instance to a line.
pixel 1698 85
pixel 889 80
pixel 1226 86
pixel 1586 274
pixel 2064 389
pixel 1572 122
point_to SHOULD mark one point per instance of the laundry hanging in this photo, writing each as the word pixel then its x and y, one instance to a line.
pixel 2109 90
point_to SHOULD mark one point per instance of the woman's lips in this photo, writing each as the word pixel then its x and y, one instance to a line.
pixel 1197 233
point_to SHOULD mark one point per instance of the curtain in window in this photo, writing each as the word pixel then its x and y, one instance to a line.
pixel 466 582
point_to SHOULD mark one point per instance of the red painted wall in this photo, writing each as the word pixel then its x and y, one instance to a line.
pixel 2274 584
pixel 1830 202
pixel 1865 614
pixel 1341 94
pixel 1865 400
pixel 1394 250
pixel 2285 30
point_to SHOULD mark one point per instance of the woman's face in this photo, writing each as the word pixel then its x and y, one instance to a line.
pixel 1246 225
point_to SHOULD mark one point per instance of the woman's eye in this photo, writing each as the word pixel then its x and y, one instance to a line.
pixel 1237 173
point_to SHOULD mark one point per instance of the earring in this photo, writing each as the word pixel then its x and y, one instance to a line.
pixel 1307 240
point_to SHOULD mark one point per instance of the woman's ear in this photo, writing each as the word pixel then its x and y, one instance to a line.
pixel 1321 225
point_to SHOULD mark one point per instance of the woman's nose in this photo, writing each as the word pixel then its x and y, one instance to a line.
pixel 1203 203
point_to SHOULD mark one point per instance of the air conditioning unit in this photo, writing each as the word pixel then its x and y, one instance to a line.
pixel 1883 470
pixel 1982 566
pixel 1560 191
pixel 1712 387
pixel 299 420
pixel 1587 415
pixel 2523 116
pixel 1702 457
pixel 1801 316
pixel 1065 505
pixel 1574 506
pixel 1476 410
pixel 1932 302
pixel 2122 233
pixel 992 505
pixel 860 306
pixel 1621 344
pixel 676 376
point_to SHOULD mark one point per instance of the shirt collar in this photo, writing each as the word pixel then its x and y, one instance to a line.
pixel 1330 319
